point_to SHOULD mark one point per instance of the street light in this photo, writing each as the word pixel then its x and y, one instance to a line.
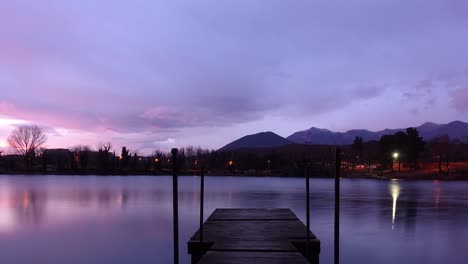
pixel 395 155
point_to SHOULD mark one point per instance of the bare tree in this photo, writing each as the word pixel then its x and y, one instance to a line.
pixel 78 148
pixel 106 147
pixel 105 159
pixel 27 140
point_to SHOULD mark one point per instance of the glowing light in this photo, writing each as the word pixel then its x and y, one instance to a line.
pixel 231 163
pixel 395 192
pixel 156 160
pixel 395 155
pixel 25 200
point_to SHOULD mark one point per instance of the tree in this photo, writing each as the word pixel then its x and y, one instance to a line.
pixel 124 158
pixel 440 148
pixel 157 159
pixel 81 155
pixel 134 162
pixel 414 145
pixel 400 147
pixel 357 148
pixel 27 140
pixel 407 145
pixel 106 147
pixel 386 144
pixel 104 157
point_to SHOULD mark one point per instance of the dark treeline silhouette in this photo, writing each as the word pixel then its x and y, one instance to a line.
pixel 402 151
pixel 407 151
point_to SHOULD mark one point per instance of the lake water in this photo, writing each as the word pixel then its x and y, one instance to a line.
pixel 90 219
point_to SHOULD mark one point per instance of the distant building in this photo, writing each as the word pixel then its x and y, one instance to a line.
pixel 61 159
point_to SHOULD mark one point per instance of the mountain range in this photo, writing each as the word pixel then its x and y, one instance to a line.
pixel 428 131
pixel 319 136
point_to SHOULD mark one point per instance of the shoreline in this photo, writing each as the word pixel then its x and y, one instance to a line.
pixel 411 175
pixel 377 175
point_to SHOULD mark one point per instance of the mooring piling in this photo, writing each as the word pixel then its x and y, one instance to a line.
pixel 202 190
pixel 337 205
pixel 307 211
pixel 175 203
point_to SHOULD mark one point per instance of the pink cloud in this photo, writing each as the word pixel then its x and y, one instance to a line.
pixel 460 99
pixel 6 107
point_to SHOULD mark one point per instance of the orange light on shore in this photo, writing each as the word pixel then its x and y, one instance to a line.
pixel 231 163
pixel 156 160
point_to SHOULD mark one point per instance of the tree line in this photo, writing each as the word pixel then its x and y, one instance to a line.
pixel 405 148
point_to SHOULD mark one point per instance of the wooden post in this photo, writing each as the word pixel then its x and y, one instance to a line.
pixel 175 203
pixel 307 212
pixel 337 205
pixel 202 190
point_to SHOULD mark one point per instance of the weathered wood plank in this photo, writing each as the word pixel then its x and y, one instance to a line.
pixel 252 214
pixel 246 230
pixel 249 235
pixel 253 257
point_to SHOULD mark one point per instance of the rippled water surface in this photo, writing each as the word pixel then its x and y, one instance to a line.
pixel 87 219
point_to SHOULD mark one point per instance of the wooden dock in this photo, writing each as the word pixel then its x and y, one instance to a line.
pixel 253 236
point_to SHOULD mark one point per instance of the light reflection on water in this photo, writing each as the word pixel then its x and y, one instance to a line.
pixel 395 192
pixel 87 219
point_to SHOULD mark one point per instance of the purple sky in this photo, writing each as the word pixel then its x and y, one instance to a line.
pixel 161 74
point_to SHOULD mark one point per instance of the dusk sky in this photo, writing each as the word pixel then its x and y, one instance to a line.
pixel 160 74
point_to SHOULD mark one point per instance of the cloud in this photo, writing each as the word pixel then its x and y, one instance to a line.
pixel 166 67
pixel 5 107
pixel 460 99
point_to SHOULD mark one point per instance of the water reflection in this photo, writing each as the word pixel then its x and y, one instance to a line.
pixel 129 219
pixel 395 192
pixel 437 191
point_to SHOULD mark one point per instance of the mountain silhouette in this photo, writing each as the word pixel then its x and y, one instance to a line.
pixel 259 140
pixel 455 130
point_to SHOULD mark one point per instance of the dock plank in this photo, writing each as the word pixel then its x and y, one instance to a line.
pixel 253 257
pixel 252 214
pixel 246 229
pixel 252 236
